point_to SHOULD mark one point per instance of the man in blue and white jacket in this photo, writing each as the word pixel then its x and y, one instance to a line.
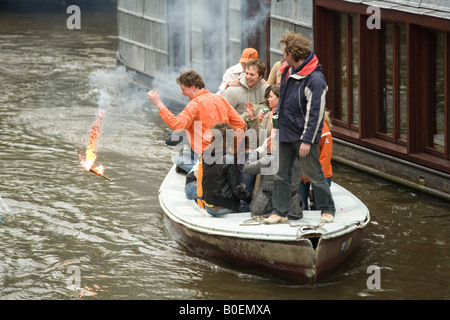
pixel 301 110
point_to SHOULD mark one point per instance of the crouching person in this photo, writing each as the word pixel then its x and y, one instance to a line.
pixel 263 163
pixel 223 192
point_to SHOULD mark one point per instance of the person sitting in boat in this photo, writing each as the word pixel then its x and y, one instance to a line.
pixel 252 88
pixel 222 191
pixel 204 110
pixel 257 110
pixel 262 163
pixel 262 119
pixel 232 74
pixel 259 118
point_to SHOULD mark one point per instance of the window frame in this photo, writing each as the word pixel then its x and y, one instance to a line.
pixel 411 147
pixel 396 93
pixel 348 119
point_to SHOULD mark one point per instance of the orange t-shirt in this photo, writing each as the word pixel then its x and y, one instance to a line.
pixel 203 112
pixel 325 152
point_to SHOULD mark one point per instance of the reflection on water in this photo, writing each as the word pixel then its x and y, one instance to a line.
pixel 68 234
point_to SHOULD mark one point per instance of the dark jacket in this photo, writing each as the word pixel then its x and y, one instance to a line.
pixel 221 184
pixel 301 107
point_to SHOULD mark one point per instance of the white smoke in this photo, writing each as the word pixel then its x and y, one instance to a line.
pixel 116 88
pixel 204 50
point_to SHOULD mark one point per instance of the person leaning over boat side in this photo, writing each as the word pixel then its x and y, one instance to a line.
pixel 232 74
pixel 204 110
pixel 222 189
pixel 300 119
pixel 325 155
pixel 252 88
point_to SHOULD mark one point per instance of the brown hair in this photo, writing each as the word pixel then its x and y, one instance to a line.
pixel 222 129
pixel 275 88
pixel 297 45
pixel 191 79
pixel 260 66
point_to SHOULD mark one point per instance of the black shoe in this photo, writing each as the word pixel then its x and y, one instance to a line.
pixel 179 170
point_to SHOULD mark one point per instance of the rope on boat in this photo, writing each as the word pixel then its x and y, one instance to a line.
pixel 302 228
pixel 254 221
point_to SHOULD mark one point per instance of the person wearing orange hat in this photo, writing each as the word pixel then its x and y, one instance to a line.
pixel 235 71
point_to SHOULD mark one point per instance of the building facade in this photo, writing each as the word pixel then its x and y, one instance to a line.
pixel 387 64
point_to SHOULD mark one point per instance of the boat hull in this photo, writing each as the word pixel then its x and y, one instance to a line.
pixel 297 262
pixel 301 251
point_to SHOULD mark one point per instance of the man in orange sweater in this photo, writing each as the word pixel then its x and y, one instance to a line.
pixel 204 110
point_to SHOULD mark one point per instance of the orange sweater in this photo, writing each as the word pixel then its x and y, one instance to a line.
pixel 325 152
pixel 203 112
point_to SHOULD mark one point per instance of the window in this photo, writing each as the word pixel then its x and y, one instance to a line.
pixel 391 90
pixel 434 103
pixel 345 105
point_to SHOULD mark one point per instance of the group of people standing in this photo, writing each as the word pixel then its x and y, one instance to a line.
pixel 273 180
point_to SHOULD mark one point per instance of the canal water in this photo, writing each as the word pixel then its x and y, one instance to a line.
pixel 69 234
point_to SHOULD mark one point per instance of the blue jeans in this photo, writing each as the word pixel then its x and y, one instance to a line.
pixel 186 160
pixel 282 198
pixel 244 207
pixel 190 189
pixel 217 212
pixel 247 179
pixel 303 191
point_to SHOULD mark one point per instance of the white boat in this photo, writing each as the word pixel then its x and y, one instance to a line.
pixel 300 251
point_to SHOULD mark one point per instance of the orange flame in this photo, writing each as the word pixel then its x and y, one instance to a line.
pixel 91 151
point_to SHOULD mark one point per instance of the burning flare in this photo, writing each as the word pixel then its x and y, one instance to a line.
pixel 91 151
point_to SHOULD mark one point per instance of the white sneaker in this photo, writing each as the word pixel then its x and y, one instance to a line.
pixel 327 218
pixel 274 218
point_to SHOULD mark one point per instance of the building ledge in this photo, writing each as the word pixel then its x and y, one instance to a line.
pixel 413 175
